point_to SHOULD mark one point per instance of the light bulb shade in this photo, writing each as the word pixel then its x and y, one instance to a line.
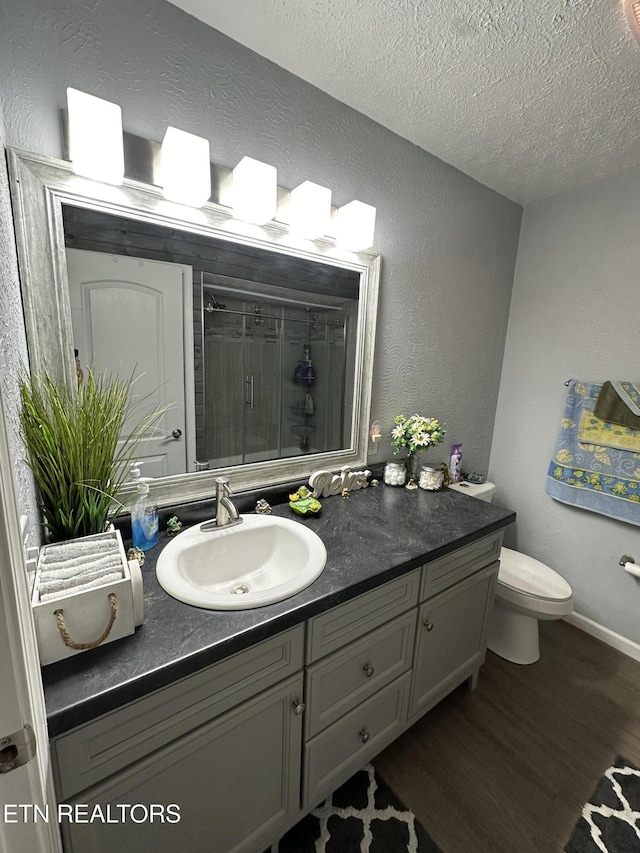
pixel 310 210
pixel 184 171
pixel 255 191
pixel 95 137
pixel 356 226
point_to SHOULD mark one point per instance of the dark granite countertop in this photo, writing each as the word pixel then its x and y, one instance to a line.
pixel 371 537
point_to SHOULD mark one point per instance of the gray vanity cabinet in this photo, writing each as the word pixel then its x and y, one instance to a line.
pixel 235 781
pixel 358 680
pixel 234 747
pixel 451 639
pixel 380 661
pixel 457 593
pixel 224 745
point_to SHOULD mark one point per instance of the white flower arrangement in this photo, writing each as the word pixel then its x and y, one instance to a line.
pixel 416 433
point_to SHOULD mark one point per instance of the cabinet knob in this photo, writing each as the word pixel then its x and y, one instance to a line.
pixel 364 735
pixel 368 670
pixel 298 707
pixel 428 625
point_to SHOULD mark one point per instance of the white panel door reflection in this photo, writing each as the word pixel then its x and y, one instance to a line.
pixel 128 317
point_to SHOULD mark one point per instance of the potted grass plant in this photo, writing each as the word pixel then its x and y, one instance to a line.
pixel 76 448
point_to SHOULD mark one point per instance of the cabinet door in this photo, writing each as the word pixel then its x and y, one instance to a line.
pixel 87 755
pixel 451 638
pixel 235 781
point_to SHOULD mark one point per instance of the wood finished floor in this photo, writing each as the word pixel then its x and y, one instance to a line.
pixel 506 768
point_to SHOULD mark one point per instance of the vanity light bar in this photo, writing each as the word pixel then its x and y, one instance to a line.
pixel 184 168
pixel 95 137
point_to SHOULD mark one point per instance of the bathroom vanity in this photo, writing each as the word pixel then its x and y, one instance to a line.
pixel 246 720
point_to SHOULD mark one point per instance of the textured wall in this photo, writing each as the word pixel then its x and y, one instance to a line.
pixel 575 309
pixel 13 347
pixel 448 243
pixel 532 98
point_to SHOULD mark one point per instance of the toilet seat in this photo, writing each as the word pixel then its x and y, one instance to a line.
pixel 527 576
pixel 531 587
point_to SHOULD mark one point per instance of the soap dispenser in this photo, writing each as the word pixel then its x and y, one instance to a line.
pixel 144 515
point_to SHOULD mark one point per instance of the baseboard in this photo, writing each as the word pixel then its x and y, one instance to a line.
pixel 606 635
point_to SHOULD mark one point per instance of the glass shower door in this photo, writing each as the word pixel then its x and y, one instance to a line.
pixel 263 380
pixel 223 388
pixel 242 384
pixel 274 382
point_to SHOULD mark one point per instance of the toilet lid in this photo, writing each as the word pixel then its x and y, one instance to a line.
pixel 526 575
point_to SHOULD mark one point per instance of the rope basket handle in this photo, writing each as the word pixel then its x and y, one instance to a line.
pixel 81 647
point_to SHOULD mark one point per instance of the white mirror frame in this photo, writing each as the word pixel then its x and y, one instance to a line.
pixel 41 185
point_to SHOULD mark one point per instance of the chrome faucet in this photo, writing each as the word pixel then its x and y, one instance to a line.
pixel 226 513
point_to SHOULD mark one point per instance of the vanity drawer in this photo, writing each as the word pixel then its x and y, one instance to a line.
pixel 94 751
pixel 346 746
pixel 342 680
pixel 445 571
pixel 347 622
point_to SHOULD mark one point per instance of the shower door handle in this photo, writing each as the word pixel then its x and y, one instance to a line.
pixel 250 392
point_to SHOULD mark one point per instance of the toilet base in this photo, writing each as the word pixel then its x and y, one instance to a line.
pixel 513 635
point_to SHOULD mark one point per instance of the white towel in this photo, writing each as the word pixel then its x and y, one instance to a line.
pixel 101 581
pixel 67 568
pixel 57 584
pixel 79 548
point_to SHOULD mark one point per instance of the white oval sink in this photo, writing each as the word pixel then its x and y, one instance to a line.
pixel 263 560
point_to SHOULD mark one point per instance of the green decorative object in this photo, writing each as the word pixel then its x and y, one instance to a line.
pixel 174 526
pixel 302 502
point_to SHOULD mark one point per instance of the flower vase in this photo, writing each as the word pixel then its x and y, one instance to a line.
pixel 411 464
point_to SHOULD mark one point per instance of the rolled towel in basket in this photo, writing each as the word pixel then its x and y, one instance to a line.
pixel 69 568
pixel 73 550
pixel 101 581
pixel 56 582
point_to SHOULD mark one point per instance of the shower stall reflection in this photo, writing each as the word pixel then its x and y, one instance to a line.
pixel 276 374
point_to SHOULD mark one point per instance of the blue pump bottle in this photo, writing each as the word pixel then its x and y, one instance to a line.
pixel 144 516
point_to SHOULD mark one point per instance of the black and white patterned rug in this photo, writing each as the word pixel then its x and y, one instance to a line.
pixel 363 816
pixel 610 821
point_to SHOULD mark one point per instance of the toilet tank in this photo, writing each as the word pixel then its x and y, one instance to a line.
pixel 484 491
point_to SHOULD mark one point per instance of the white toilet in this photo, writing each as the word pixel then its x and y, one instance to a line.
pixel 526 591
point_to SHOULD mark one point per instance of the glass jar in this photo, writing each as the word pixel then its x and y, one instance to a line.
pixel 431 478
pixel 395 474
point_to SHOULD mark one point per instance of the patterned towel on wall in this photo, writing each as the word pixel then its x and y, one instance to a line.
pixel 593 467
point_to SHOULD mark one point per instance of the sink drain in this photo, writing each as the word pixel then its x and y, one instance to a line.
pixel 240 589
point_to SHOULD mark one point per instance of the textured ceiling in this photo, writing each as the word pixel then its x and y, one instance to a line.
pixel 530 97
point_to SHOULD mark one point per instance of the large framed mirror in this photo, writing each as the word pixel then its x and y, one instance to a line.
pixel 262 345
